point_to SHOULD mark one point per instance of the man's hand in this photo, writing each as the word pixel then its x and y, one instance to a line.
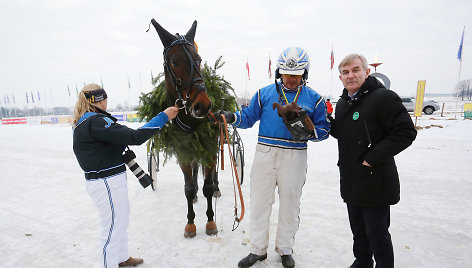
pixel 230 118
pixel 299 133
pixel 366 164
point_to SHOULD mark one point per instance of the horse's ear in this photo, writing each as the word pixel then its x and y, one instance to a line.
pixel 191 33
pixel 166 37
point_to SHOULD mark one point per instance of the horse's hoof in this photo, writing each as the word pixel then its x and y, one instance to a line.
pixel 195 199
pixel 211 228
pixel 216 194
pixel 190 230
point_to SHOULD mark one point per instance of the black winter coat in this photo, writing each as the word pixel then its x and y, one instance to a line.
pixel 99 142
pixel 383 129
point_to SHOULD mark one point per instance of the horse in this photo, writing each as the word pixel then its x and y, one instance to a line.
pixel 185 85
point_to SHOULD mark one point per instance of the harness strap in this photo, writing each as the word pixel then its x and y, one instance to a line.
pixel 177 82
pixel 234 173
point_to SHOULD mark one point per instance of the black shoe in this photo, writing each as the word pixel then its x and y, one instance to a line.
pixel 250 259
pixel 358 264
pixel 288 261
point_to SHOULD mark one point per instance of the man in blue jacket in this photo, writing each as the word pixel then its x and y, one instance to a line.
pixel 281 156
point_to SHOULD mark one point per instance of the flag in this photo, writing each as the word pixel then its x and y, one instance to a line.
pixel 152 78
pixel 459 53
pixel 32 97
pixel 247 67
pixel 8 100
pixel 13 97
pixel 39 97
pixel 332 59
pixel 27 100
pixel 270 71
pixel 68 89
pixel 76 90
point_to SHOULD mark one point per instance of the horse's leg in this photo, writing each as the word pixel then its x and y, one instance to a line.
pixel 190 193
pixel 195 179
pixel 208 189
pixel 217 192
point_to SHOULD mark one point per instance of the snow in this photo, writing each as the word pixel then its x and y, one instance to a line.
pixel 48 220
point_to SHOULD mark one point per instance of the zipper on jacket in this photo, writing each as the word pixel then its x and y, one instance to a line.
pixel 368 135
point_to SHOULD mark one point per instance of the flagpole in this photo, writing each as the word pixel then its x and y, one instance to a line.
pixel 460 67
pixel 458 85
pixel 246 93
pixel 68 92
pixel 129 93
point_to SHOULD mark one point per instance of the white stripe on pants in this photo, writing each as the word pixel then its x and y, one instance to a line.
pixel 285 168
pixel 110 195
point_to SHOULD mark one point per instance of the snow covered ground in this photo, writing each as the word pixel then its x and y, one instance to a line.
pixel 48 220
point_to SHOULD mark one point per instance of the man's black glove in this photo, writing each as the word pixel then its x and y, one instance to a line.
pixel 299 130
pixel 230 118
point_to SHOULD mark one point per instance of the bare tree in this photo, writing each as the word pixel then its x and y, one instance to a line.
pixel 464 89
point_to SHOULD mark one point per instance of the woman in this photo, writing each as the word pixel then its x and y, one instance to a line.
pixel 98 146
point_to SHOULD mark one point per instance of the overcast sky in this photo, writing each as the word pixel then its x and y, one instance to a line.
pixel 47 46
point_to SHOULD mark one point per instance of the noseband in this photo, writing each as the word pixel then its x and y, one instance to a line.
pixel 178 82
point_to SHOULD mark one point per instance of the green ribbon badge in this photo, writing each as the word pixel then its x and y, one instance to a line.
pixel 355 116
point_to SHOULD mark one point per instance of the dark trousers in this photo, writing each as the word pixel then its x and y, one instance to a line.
pixel 369 226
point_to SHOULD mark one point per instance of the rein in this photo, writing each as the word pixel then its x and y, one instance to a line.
pixel 178 82
pixel 234 172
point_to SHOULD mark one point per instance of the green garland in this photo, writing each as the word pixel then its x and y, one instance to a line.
pixel 201 144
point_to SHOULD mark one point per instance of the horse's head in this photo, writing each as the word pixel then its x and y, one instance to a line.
pixel 182 71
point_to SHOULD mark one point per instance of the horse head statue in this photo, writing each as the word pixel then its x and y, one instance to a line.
pixel 182 74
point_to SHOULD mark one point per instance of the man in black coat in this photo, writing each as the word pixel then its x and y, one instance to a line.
pixel 371 126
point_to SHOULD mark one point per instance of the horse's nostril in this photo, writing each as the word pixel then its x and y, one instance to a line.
pixel 199 110
pixel 198 107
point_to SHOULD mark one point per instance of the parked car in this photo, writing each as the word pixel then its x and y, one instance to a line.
pixel 429 106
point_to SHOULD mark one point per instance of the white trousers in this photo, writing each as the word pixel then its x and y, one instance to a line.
pixel 286 169
pixel 110 195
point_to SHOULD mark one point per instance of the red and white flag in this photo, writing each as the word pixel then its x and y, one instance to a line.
pixel 332 59
pixel 270 71
pixel 247 67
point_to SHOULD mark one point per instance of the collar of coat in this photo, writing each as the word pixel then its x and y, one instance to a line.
pixel 370 84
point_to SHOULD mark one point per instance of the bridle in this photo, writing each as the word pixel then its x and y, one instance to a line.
pixel 177 81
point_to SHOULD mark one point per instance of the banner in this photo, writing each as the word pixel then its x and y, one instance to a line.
pixel 14 121
pixel 468 110
pixel 420 97
pixel 133 118
pixel 120 117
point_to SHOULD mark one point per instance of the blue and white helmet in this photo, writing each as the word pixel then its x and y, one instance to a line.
pixel 295 61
